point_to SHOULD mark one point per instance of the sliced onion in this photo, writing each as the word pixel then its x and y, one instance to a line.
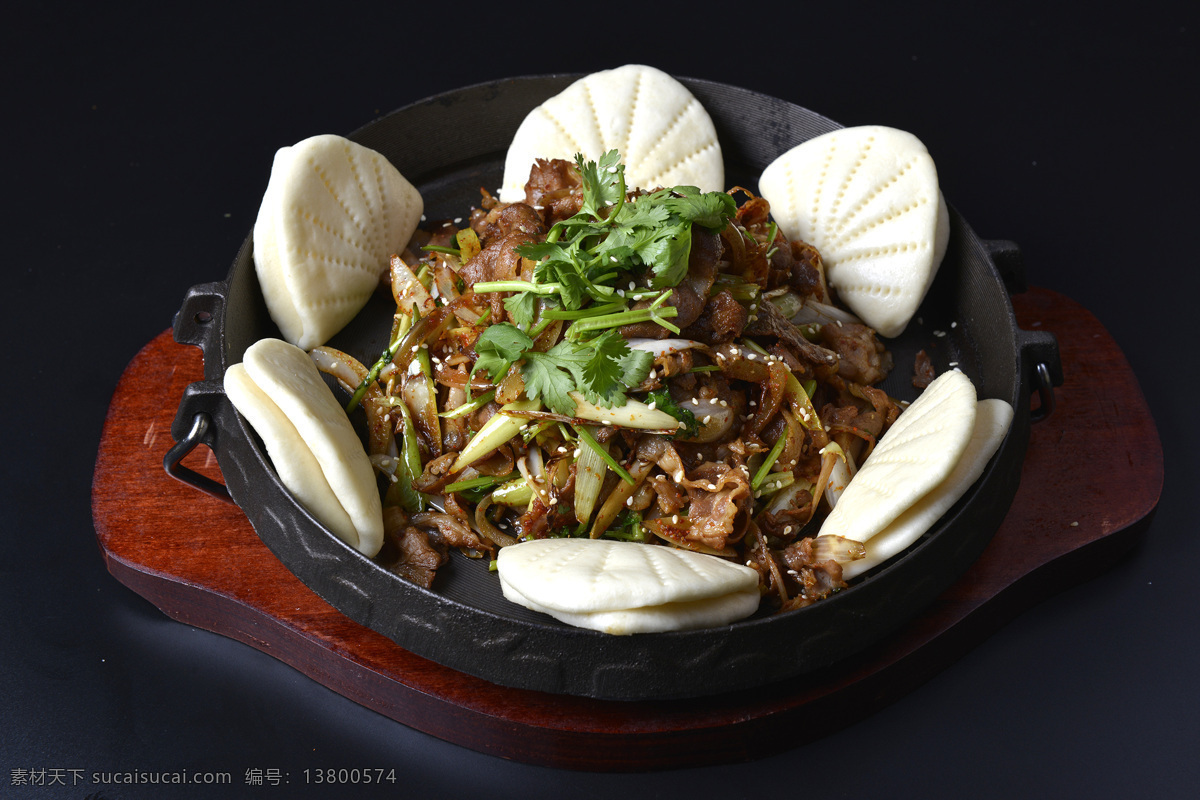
pixel 785 498
pixel 817 313
pixel 350 372
pixel 716 421
pixel 839 475
pixel 533 471
pixel 408 291
pixel 485 527
pixel 666 347
pixel 444 281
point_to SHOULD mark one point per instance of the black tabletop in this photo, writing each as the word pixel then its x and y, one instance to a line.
pixel 137 149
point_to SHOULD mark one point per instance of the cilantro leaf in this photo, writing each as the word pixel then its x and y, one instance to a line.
pixel 545 381
pixel 635 366
pixel 499 346
pixel 667 256
pixel 521 307
pixel 603 182
pixel 611 368
pixel 710 210
pixel 663 401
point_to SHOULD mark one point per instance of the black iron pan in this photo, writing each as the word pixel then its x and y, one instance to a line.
pixel 451 145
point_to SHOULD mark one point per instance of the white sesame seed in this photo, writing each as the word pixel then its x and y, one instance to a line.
pixel 707 419
pixel 653 405
pixel 675 519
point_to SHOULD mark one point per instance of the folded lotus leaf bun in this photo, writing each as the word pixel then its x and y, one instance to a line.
pixel 993 418
pixel 868 199
pixel 665 136
pixel 289 454
pixel 685 615
pixel 626 587
pixel 333 214
pixel 916 454
pixel 310 440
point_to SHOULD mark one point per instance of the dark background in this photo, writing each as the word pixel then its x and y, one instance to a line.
pixel 137 145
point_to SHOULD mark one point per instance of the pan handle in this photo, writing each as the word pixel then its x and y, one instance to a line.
pixel 1038 349
pixel 1040 360
pixel 196 320
pixel 1009 262
pixel 193 426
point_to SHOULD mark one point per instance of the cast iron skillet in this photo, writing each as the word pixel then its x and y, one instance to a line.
pixel 451 145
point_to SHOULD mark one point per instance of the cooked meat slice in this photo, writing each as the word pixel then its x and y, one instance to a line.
pixel 805 270
pixel 717 492
pixel 923 371
pixel 771 322
pixel 498 261
pixel 417 558
pixel 815 580
pixel 862 357
pixel 722 321
pixel 554 187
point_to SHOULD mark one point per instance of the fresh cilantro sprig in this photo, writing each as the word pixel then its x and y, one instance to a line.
pixel 652 235
pixel 601 369
pixel 577 266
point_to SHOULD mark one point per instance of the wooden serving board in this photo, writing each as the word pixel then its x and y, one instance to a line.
pixel 199 560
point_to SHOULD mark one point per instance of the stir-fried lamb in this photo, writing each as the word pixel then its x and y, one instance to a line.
pixel 758 410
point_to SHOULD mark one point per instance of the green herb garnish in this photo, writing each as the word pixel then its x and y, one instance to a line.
pixel 664 402
pixel 578 266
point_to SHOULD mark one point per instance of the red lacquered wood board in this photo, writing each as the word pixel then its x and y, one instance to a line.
pixel 199 560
